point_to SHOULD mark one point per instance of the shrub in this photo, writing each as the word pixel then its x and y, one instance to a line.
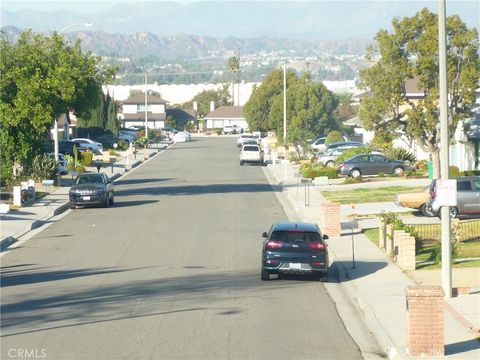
pixel 454 171
pixel 86 158
pixel 334 136
pixel 123 145
pixel 350 180
pixel 397 153
pixel 44 167
pixel 80 168
pixel 142 141
pixel 311 171
pixel 421 165
pixel 471 173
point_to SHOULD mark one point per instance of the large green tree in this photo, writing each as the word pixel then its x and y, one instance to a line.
pixel 311 110
pixel 203 99
pixel 411 51
pixel 258 107
pixel 42 77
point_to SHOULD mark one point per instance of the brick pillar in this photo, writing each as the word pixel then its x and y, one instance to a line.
pixel 331 219
pixel 406 252
pixel 425 324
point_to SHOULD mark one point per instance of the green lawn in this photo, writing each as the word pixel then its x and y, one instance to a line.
pixel 466 249
pixel 363 195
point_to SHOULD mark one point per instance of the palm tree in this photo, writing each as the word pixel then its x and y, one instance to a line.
pixel 233 66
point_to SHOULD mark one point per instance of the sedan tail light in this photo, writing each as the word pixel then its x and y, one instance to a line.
pixel 273 244
pixel 317 245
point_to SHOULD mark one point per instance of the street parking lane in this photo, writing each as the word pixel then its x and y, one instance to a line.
pixel 172 271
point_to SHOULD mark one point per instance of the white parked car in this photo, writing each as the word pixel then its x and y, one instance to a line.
pixel 182 136
pixel 251 153
pixel 319 144
pixel 232 129
pixel 91 145
pixel 244 137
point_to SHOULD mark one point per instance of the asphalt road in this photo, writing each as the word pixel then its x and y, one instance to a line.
pixel 170 272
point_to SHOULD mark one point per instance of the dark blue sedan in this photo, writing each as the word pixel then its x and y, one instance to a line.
pixel 294 248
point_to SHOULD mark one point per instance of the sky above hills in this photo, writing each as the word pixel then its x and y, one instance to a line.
pixel 328 20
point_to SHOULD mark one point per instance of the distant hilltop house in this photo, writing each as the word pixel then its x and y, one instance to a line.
pixel 133 111
pixel 225 115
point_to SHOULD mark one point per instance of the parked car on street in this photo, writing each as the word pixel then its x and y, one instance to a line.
pixel 328 157
pixel 232 129
pixel 182 136
pixel 108 141
pixel 319 144
pixel 415 200
pixel 251 153
pixel 468 197
pixel 91 189
pixel 91 145
pixel 127 136
pixel 372 164
pixel 245 137
pixel 294 248
pixel 343 144
pixel 66 147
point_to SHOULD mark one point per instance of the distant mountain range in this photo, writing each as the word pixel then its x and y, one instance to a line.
pixel 321 19
pixel 193 46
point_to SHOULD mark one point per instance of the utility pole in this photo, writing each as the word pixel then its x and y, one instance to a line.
pixel 284 102
pixel 146 107
pixel 444 145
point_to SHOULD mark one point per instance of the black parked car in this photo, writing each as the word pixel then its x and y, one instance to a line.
pixel 372 164
pixel 92 189
pixel 108 141
pixel 66 147
pixel 294 248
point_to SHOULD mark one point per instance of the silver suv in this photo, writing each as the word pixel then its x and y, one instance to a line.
pixel 468 197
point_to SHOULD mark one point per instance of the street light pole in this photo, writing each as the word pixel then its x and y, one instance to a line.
pixel 146 107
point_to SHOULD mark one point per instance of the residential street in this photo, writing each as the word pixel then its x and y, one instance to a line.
pixel 170 272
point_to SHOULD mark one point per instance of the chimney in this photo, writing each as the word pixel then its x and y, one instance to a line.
pixel 195 106
pixel 212 106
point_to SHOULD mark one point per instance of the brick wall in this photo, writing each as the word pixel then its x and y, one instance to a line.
pixel 425 322
pixel 331 219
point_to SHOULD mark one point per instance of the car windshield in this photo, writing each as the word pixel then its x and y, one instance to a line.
pixel 295 236
pixel 89 179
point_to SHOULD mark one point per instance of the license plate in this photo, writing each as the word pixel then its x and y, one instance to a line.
pixel 295 266
pixel 86 198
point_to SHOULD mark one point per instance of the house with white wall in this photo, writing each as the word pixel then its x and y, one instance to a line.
pixel 226 115
pixel 133 111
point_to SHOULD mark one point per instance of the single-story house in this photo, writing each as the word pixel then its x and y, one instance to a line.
pixel 226 115
pixel 182 116
pixel 133 111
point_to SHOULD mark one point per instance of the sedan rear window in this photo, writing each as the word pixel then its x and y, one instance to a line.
pixel 295 236
pixel 251 148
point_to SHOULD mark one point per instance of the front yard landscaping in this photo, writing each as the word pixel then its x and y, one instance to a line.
pixel 363 195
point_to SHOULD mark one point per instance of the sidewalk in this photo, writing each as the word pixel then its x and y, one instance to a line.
pixel 376 285
pixel 17 223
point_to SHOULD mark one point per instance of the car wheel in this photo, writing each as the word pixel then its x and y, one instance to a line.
pixel 112 200
pixel 398 170
pixel 73 206
pixel 355 173
pixel 264 275
pixel 329 164
pixel 241 162
pixel 323 277
pixel 107 201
